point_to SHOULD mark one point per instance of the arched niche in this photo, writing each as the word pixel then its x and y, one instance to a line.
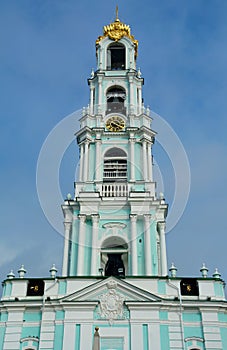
pixel 116 56
pixel 114 255
pixel 115 100
pixel 115 165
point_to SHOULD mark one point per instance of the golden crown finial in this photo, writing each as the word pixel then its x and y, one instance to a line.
pixel 117 30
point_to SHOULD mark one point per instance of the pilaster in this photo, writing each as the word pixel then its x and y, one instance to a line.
pixel 147 239
pixel 145 160
pixel 98 159
pixel 134 260
pixel 163 257
pixel 86 149
pixel 81 243
pixel 68 228
pixel 132 159
pixel 95 227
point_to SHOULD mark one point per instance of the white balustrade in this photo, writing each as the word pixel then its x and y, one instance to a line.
pixel 114 189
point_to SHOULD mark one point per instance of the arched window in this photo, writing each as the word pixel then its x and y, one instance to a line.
pixel 29 343
pixel 115 165
pixel 114 255
pixel 115 98
pixel 116 57
pixel 195 343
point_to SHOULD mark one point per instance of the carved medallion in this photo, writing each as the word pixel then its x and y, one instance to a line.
pixel 112 304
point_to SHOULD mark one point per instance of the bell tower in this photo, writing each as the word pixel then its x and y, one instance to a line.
pixel 115 224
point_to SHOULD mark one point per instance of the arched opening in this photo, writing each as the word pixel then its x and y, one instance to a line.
pixel 115 98
pixel 116 57
pixel 114 256
pixel 115 165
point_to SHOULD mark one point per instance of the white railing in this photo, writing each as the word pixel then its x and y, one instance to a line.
pixel 114 189
pixel 124 109
pixel 115 174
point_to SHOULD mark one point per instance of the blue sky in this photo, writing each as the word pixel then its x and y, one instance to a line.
pixel 47 52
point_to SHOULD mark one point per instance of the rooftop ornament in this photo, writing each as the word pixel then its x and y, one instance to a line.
pixel 173 270
pixel 216 274
pixel 204 270
pixel 116 31
pixel 21 271
pixel 11 275
pixel 53 271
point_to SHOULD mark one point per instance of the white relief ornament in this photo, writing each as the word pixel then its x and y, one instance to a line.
pixel 111 303
pixel 114 229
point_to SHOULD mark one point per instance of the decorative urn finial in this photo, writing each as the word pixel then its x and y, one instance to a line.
pixel 53 271
pixel 204 270
pixel 216 274
pixel 173 270
pixel 21 271
pixel 11 275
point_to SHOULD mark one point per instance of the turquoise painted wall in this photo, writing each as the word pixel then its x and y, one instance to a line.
pixel 88 244
pixel 138 162
pixel 74 246
pixel 161 287
pixel 62 286
pixel 32 331
pixel 145 337
pixel 154 252
pixel 219 289
pixel 58 336
pixel 77 340
pixel 140 247
pixel 223 331
pixel 164 337
pixel 193 331
pixel 92 162
pixel 7 289
pixel 192 317
pixel 2 336
pixel 163 315
pixel 31 316
pixel 60 315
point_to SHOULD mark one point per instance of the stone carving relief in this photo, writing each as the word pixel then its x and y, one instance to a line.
pixel 112 304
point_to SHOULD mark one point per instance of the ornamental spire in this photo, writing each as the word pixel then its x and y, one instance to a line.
pixel 116 19
pixel 117 30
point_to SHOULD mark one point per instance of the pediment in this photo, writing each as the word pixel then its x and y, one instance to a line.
pixel 108 286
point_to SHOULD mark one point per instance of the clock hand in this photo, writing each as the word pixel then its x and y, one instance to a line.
pixel 114 124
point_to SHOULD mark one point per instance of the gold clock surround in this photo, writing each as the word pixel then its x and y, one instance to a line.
pixel 115 123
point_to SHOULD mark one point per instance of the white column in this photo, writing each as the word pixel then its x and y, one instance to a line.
pixel 145 160
pixel 149 161
pixel 85 177
pixel 131 95
pixel 81 244
pixel 86 333
pixel 161 229
pixel 132 159
pixel 140 100
pixel 81 162
pixel 92 100
pixel 147 244
pixel 67 226
pixel 69 333
pixel 100 95
pixel 95 228
pixel 134 266
pixel 98 160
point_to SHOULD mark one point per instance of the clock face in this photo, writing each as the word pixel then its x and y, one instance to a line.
pixel 115 123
